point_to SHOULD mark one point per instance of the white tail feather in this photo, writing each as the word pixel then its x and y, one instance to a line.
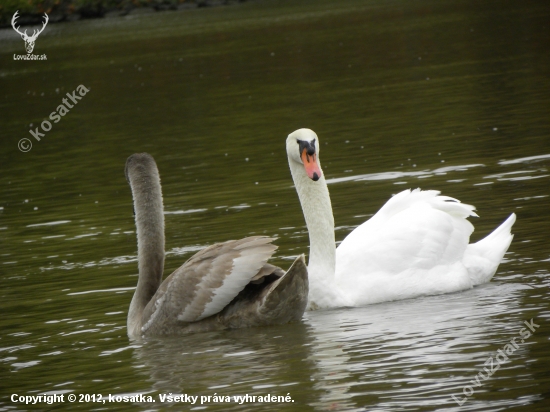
pixel 482 258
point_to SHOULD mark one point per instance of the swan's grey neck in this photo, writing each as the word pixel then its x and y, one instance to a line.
pixel 315 201
pixel 143 176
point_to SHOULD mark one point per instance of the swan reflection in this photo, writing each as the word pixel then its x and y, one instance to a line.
pixel 411 353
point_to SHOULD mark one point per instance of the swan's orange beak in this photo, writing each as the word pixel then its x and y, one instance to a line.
pixel 310 164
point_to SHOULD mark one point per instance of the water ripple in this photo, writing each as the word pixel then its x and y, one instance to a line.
pixel 399 175
pixel 529 159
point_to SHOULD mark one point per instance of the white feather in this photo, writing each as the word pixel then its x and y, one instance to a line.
pixel 417 244
pixel 244 268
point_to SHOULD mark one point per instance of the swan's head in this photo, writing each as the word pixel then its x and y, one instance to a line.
pixel 140 165
pixel 143 177
pixel 302 147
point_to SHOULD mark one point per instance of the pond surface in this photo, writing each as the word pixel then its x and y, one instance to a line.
pixel 453 96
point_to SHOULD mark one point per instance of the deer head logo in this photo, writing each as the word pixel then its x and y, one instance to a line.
pixel 29 40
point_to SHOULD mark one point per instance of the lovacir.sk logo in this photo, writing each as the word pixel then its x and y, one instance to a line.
pixel 29 40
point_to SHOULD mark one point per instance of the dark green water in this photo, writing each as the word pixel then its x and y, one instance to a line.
pixel 453 96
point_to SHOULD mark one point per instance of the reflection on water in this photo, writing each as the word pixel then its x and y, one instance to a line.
pixel 412 345
pixel 437 95
pixel 409 354
pixel 255 362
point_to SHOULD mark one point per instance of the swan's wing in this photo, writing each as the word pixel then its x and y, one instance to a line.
pixel 413 245
pixel 208 281
pixel 414 221
pixel 279 299
pixel 409 198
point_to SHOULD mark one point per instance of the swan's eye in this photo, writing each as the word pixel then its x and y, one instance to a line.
pixel 308 147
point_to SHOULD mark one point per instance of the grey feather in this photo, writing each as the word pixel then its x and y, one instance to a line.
pixel 226 285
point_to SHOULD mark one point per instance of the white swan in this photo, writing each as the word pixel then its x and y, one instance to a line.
pixel 226 285
pixel 417 243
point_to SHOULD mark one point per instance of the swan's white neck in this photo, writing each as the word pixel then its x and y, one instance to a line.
pixel 148 208
pixel 315 201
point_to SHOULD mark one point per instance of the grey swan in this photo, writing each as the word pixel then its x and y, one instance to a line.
pixel 224 286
